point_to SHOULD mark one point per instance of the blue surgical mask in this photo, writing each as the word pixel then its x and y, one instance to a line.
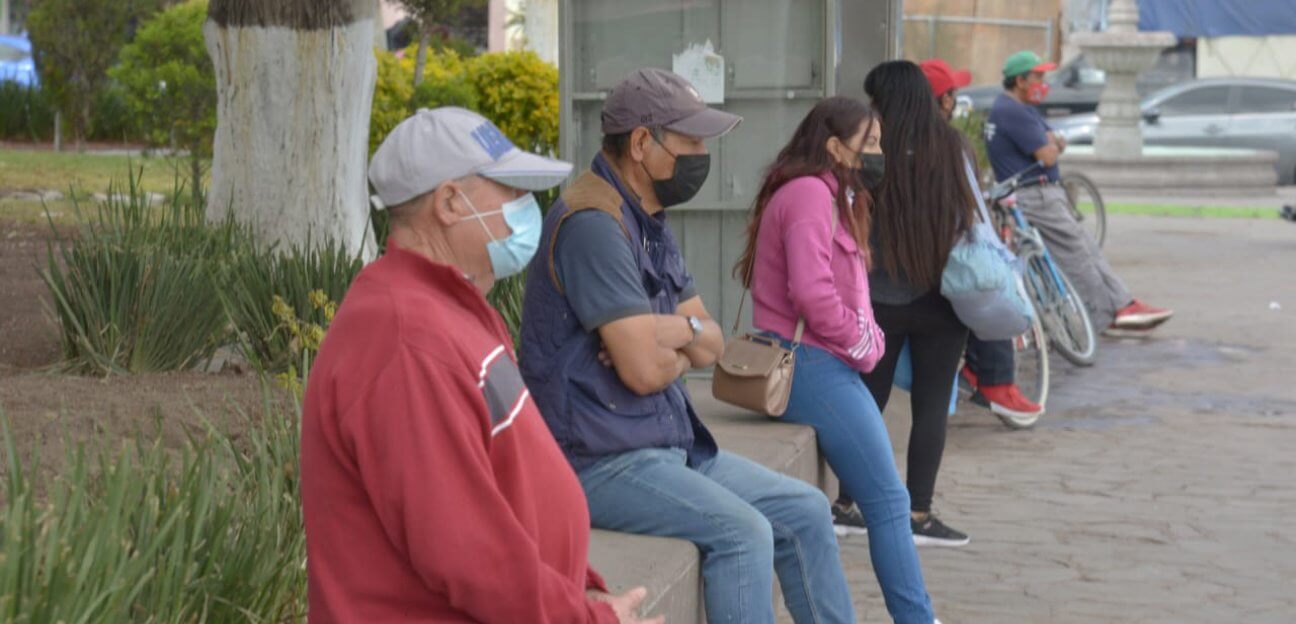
pixel 511 255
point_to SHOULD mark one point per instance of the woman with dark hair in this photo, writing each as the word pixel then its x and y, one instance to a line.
pixel 921 206
pixel 806 260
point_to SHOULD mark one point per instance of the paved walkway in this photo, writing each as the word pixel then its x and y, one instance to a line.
pixel 1160 485
pixel 1283 195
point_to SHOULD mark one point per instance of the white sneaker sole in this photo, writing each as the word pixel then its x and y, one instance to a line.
pixel 841 530
pixel 1014 414
pixel 923 540
pixel 1142 321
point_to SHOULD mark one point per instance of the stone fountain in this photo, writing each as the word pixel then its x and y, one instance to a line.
pixel 1123 52
pixel 1118 161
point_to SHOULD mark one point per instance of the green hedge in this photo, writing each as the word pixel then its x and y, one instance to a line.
pixel 26 114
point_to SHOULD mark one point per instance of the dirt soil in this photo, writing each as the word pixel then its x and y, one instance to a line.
pixel 45 408
pixel 27 337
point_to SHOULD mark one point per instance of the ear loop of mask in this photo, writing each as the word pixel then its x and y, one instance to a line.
pixel 481 218
pixel 655 134
pixel 470 277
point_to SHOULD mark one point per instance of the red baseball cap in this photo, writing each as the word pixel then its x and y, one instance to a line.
pixel 942 77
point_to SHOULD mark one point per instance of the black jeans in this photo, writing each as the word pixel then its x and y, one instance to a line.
pixel 991 360
pixel 936 340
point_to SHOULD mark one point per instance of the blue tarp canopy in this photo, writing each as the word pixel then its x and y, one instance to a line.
pixel 1218 18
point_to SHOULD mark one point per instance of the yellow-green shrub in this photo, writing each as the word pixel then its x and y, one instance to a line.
pixel 519 92
pixel 516 90
pixel 395 85
pixel 394 94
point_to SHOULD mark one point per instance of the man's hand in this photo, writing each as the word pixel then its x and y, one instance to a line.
pixel 1059 141
pixel 626 606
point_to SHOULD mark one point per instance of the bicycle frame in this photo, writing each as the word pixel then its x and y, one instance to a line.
pixel 1024 230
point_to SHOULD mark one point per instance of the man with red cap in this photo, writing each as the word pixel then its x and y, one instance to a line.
pixel 945 83
pixel 989 364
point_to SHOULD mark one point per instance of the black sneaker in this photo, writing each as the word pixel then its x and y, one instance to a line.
pixel 933 532
pixel 847 520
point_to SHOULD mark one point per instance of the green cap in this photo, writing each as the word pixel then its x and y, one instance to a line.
pixel 1025 62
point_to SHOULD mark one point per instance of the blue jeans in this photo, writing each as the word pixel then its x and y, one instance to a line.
pixel 746 519
pixel 829 396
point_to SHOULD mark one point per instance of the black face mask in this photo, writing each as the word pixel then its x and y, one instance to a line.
pixel 871 168
pixel 691 171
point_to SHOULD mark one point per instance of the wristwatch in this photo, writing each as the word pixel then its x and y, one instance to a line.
pixel 695 324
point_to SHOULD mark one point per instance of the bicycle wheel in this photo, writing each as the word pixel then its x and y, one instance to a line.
pixel 1030 372
pixel 1063 314
pixel 1086 205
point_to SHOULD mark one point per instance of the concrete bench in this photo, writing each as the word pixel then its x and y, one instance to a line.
pixel 670 568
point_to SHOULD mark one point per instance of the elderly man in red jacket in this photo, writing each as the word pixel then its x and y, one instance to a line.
pixel 432 489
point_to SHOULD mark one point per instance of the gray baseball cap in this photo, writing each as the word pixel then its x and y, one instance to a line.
pixel 656 97
pixel 448 143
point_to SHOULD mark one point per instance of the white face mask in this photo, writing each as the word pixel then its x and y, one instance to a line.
pixel 511 255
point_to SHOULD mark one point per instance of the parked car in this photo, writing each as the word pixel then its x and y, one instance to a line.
pixel 1076 86
pixel 16 63
pixel 1253 113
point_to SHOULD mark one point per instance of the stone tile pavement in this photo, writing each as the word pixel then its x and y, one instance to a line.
pixel 1161 485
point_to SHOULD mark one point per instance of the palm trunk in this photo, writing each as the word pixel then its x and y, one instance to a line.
pixel 294 84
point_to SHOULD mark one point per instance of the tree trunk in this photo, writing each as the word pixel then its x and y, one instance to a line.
pixel 58 131
pixel 195 176
pixel 294 84
pixel 420 61
pixel 83 128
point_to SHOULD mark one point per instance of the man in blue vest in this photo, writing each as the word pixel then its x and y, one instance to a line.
pixel 611 320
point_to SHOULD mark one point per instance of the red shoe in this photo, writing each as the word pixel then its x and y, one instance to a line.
pixel 1139 315
pixel 969 378
pixel 1007 400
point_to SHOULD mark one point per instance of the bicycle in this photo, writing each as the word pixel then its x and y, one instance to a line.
pixel 1087 206
pixel 1057 304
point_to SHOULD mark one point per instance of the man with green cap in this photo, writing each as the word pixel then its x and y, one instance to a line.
pixel 1017 137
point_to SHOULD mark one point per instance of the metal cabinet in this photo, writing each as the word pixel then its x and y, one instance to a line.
pixel 780 57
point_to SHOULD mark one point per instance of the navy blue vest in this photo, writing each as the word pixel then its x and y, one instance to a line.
pixel 590 411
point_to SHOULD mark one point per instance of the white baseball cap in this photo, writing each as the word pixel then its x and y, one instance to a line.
pixel 448 143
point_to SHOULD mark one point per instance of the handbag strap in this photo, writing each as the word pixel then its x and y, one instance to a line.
pixel 976 189
pixel 796 337
pixel 800 326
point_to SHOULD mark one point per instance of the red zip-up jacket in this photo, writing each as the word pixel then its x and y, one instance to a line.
pixel 432 490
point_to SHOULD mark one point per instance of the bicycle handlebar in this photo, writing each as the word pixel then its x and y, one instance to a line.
pixel 1013 182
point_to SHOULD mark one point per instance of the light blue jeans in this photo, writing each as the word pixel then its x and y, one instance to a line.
pixel 747 520
pixel 829 396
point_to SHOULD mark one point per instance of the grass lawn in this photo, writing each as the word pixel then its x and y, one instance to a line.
pixel 1171 210
pixel 42 170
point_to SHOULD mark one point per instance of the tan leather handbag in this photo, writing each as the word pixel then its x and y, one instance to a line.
pixel 755 371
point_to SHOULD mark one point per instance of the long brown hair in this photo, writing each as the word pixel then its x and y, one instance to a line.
pixel 923 201
pixel 806 154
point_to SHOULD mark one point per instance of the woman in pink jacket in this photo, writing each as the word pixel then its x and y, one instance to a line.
pixel 807 258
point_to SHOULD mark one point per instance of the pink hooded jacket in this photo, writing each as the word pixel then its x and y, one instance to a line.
pixel 805 269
